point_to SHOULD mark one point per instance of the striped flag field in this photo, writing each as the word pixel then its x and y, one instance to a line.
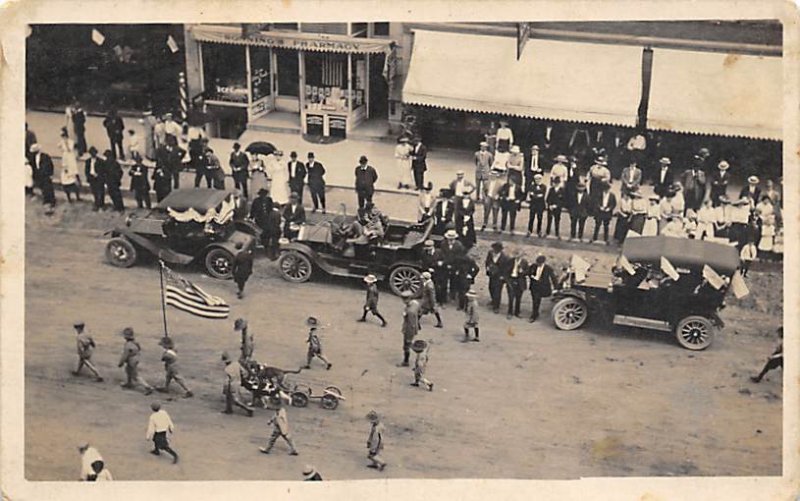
pixel 185 296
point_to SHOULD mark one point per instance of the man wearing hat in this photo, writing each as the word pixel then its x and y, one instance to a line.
pixel 535 166
pixel 445 211
pixel 294 215
pixel 739 220
pixel 426 204
pixel 537 194
pixel 316 182
pixel 751 192
pixel 578 212
pixel 140 183
pixel 93 467
pixel 371 303
pixel 483 165
pixel 248 344
pixel 471 313
pixel 495 266
pixel 268 217
pixel 419 163
pixel 511 197
pixel 113 180
pixel 239 164
pixel 605 203
pixel 114 129
pixel 242 268
pixel 86 346
pixel 420 347
pixel 662 182
pixel 130 359
pixel 410 327
pixel 42 166
pixel 514 274
pixel 541 284
pixel 459 186
pixel 598 174
pixel 310 474
pixel 693 181
pixel 366 176
pixel 555 202
pixel 631 179
pixel 375 441
pixel 170 155
pixel 231 385
pixel 428 300
pixel 158 427
pixel 170 359
pixel 451 251
pixel 719 183
pixel 491 198
pixel 95 171
pixel 465 220
pixel 314 344
pixel 280 422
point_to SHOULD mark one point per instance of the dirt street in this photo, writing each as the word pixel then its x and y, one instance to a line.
pixel 527 402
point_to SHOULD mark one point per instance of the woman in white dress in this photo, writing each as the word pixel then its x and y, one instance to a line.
pixel 766 212
pixel 258 174
pixel 402 154
pixel 278 173
pixel 706 216
pixel 70 182
pixel 650 228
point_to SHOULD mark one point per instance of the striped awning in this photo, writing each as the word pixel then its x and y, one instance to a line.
pixel 558 80
pixel 318 42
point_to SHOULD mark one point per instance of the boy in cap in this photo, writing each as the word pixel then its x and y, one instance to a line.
pixel 92 465
pixel 411 326
pixel 375 441
pixel 314 344
pixel 230 388
pixel 130 359
pixel 471 312
pixel 170 359
pixel 159 425
pixel 420 347
pixel 371 304
pixel 248 343
pixel 280 422
pixel 86 347
pixel 428 303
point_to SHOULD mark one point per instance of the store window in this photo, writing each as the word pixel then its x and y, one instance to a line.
pixel 358 30
pixel 327 28
pixel 326 81
pixel 284 26
pixel 381 29
pixel 260 70
pixel 224 72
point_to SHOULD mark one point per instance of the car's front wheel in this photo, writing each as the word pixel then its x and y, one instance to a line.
pixel 695 332
pixel 570 313
pixel 219 263
pixel 120 252
pixel 295 267
pixel 405 279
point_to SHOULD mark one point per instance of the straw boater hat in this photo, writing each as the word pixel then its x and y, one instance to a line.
pixel 419 345
pixel 468 189
pixel 665 161
pixel 472 293
pixel 562 159
pixel 460 172
pixel 752 180
pixel 35 148
pixel 428 243
pixel 537 177
pixel 601 160
pixel 723 165
pixel 484 144
pixel 403 139
pixel 654 198
pixel 127 333
pixel 312 322
pixel 309 470
pixel 370 279
pixel 535 147
pixel 581 186
pixel 426 275
pixel 515 149
pixel 450 234
pixel 240 324
pixel 78 323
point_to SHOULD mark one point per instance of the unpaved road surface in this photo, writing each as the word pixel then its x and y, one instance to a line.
pixel 527 402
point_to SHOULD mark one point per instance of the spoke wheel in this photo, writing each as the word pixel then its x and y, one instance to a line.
pixel 299 399
pixel 329 402
pixel 570 313
pixel 120 252
pixel 295 267
pixel 694 333
pixel 219 264
pixel 405 279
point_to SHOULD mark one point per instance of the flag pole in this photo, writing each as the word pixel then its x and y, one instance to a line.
pixel 163 299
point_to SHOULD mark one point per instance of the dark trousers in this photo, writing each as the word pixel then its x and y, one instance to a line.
pixel 162 190
pixel 240 182
pixel 160 443
pixel 514 289
pixel 297 188
pixel 231 399
pixel 318 197
pixel 440 281
pixel 495 291
pixel 116 145
pixel 80 141
pixel 536 303
pixel 576 225
pixel 176 178
pixel 509 215
pixel 216 177
pixel 364 197
pixel 554 220
pixel 597 223
pixel 537 215
pixel 98 192
pixel 199 173
pixel 772 363
pixel 116 198
pixel 142 197
pixel 419 178
pixel 48 192
pixel 270 243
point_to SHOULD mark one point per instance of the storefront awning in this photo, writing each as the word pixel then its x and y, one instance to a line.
pixel 557 80
pixel 291 40
pixel 721 94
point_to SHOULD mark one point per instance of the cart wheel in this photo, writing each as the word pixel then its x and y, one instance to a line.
pixel 299 399
pixel 694 333
pixel 329 402
pixel 570 313
pixel 334 389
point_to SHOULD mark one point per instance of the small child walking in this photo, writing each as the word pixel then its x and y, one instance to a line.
pixel 375 441
pixel 159 425
pixel 421 347
pixel 371 304
pixel 471 312
pixel 314 344
pixel 748 255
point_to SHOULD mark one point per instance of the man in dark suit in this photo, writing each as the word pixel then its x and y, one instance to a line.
pixel 316 182
pixel 293 216
pixel 268 218
pixel 542 282
pixel 605 203
pixel 115 128
pixel 664 178
pixel 444 212
pixel 719 184
pixel 510 199
pixel 694 184
pixel 297 175
pixel 555 204
pixel 514 276
pixel 536 200
pixel 451 251
pixel 239 164
pixel 366 176
pixel 113 175
pixel 495 266
pixel 419 163
pixel 751 191
pixel 96 176
pixel 578 212
pixel 42 166
pixel 171 156
pixel 79 125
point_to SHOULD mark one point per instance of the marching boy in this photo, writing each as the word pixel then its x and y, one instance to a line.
pixel 85 349
pixel 375 442
pixel 314 344
pixel 471 311
pixel 170 359
pixel 371 304
pixel 420 347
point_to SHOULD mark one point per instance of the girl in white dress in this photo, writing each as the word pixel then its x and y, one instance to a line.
pixel 402 154
pixel 650 228
pixel 278 173
pixel 70 182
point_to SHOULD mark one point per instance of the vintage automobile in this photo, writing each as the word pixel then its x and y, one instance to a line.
pixel 646 298
pixel 189 225
pixel 396 257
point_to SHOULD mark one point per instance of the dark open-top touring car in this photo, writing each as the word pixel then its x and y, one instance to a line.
pixel 639 293
pixel 396 257
pixel 188 225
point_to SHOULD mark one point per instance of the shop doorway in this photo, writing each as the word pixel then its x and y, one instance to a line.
pixel 287 85
pixel 378 88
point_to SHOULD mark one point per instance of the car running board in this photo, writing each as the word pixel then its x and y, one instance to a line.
pixel 645 323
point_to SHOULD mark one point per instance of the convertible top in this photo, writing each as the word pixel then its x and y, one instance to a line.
pixel 682 252
pixel 201 199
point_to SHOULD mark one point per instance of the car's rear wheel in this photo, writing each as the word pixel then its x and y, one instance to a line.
pixel 120 252
pixel 219 263
pixel 405 279
pixel 570 313
pixel 295 267
pixel 695 332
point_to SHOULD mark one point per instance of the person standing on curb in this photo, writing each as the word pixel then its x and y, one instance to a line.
pixel 419 163
pixel 297 176
pixel 95 170
pixel 375 441
pixel 366 176
pixel 240 166
pixel 316 183
pixel 113 181
pixel 159 425
pixel 114 128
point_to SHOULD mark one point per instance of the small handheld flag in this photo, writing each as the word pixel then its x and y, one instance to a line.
pixel 712 277
pixel 98 37
pixel 668 269
pixel 738 286
pixel 185 296
pixel 626 265
pixel 172 44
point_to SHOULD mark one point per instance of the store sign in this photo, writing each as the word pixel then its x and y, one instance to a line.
pixel 299 41
pixel 337 123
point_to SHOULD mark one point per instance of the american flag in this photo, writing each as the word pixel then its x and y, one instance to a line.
pixel 185 296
